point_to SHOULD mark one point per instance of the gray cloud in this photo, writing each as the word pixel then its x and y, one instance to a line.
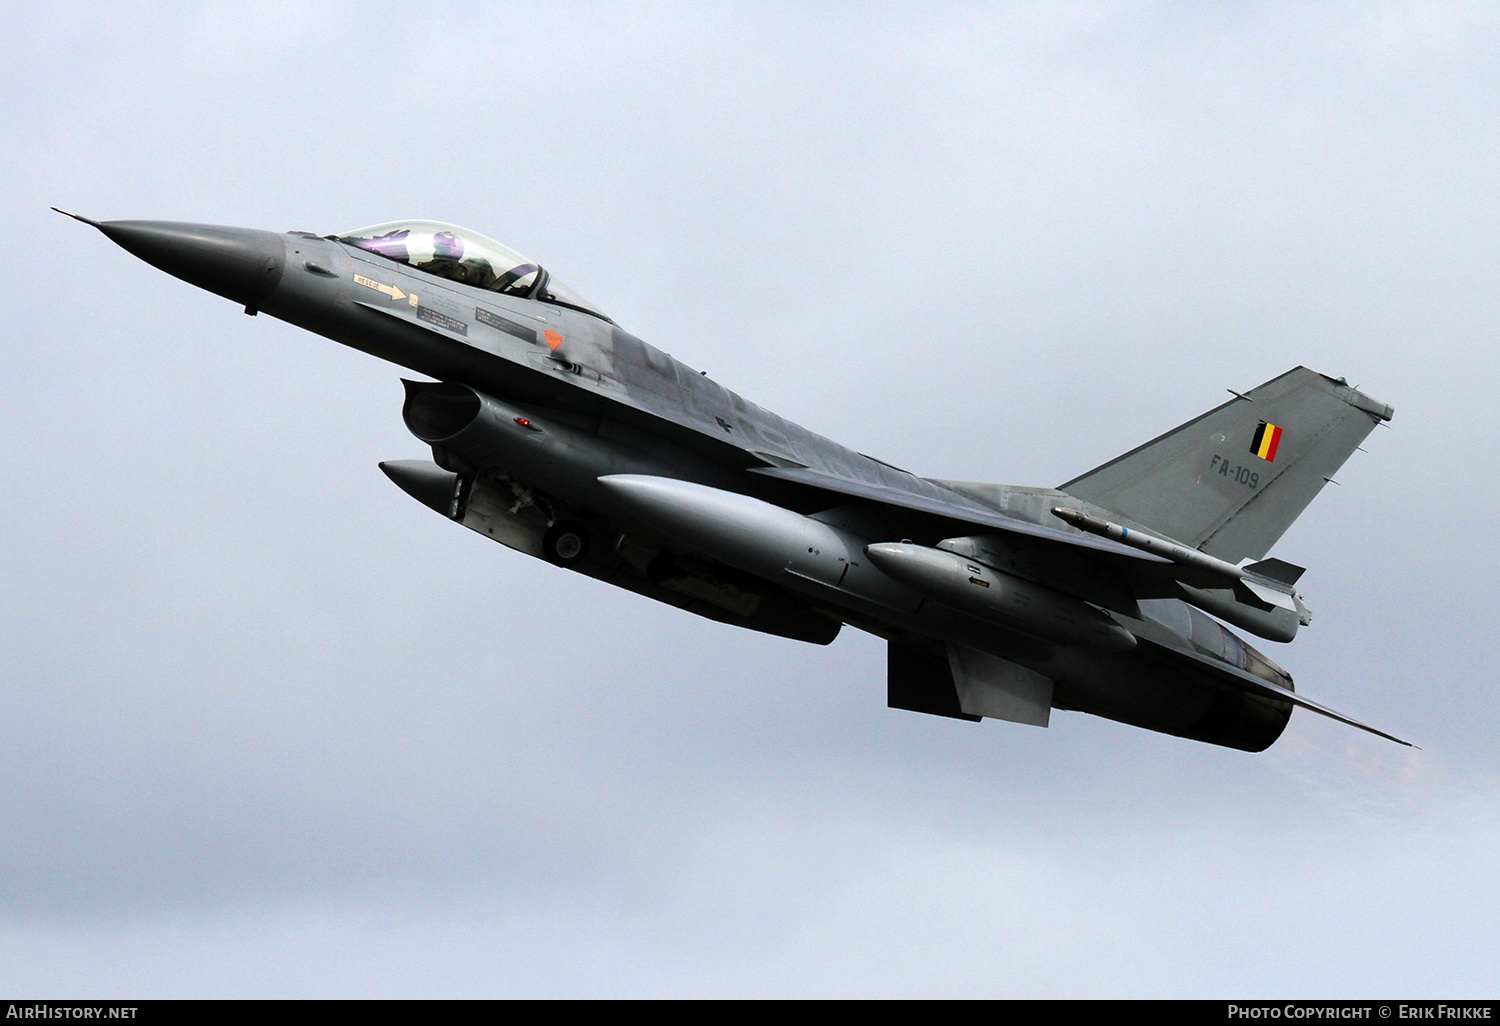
pixel 275 729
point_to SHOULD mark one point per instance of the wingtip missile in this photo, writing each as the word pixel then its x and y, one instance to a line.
pixel 1177 553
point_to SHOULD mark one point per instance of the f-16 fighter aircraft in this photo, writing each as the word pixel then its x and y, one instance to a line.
pixel 559 434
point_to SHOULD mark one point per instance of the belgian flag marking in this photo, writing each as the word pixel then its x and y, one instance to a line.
pixel 1267 438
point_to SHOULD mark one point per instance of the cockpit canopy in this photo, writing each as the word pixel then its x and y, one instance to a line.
pixel 457 253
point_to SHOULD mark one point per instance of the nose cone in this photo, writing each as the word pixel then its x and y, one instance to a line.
pixel 241 264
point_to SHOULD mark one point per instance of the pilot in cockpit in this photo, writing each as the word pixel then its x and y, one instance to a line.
pixel 468 257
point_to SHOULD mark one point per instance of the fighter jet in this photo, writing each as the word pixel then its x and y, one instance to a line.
pixel 559 434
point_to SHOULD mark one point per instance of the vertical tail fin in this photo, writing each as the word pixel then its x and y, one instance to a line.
pixel 1232 481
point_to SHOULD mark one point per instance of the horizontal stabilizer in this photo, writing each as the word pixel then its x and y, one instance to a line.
pixel 1235 677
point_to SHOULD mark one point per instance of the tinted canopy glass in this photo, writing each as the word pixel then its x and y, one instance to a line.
pixel 465 256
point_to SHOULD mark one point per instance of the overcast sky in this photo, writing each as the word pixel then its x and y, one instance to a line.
pixel 274 729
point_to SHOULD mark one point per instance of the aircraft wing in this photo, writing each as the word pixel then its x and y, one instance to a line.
pixel 955 507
